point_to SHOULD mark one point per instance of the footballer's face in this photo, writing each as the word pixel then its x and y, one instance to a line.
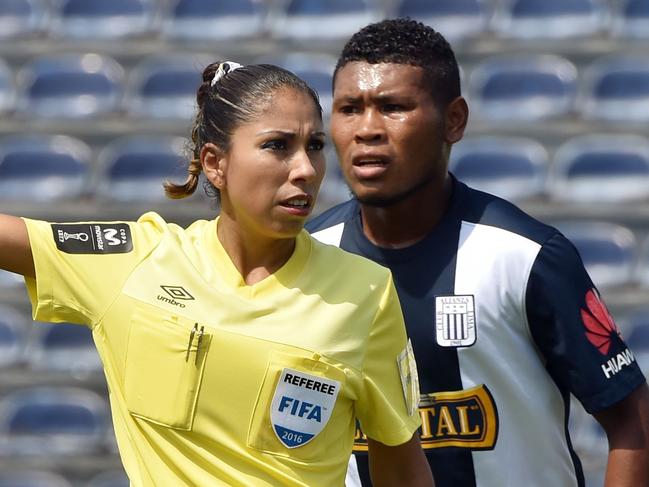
pixel 270 176
pixel 388 131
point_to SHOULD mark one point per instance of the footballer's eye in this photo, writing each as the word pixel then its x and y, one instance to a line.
pixel 392 107
pixel 348 109
pixel 275 144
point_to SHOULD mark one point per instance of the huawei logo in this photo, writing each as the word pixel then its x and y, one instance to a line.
pixel 600 327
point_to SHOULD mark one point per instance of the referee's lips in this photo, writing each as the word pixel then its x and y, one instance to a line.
pixel 299 204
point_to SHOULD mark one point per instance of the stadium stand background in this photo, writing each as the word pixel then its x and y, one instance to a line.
pixel 96 97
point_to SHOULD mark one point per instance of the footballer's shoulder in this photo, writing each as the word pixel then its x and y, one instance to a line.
pixel 336 215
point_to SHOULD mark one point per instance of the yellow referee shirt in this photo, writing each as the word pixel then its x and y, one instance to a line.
pixel 216 382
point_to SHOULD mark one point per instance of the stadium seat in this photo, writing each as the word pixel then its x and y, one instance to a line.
pixel 111 478
pixel 609 251
pixel 509 167
pixel 515 88
pixel 210 20
pixel 456 19
pixel 63 347
pixel 10 280
pixel 70 86
pixel 103 19
pixel 23 18
pixel 134 168
pixel 643 266
pixel 164 87
pixel 544 19
pixel 616 88
pixel 601 168
pixel 13 327
pixel 636 335
pixel 43 168
pixel 32 478
pixel 322 20
pixel 631 19
pixel 52 421
pixel 316 69
pixel 7 89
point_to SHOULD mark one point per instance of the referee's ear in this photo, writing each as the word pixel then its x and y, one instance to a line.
pixel 214 164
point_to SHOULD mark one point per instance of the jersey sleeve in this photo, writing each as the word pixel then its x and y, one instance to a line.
pixel 574 331
pixel 387 406
pixel 81 267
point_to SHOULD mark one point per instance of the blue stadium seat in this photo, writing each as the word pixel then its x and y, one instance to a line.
pixel 510 167
pixel 63 347
pixel 636 335
pixel 134 168
pixel 43 168
pixel 643 265
pixel 164 87
pixel 70 86
pixel 111 478
pixel 13 328
pixel 334 189
pixel 601 168
pixel 32 478
pixel 210 20
pixel 631 19
pixel 322 20
pixel 10 280
pixel 52 421
pixel 609 251
pixel 553 19
pixel 103 19
pixel 456 19
pixel 22 18
pixel 515 88
pixel 7 88
pixel 316 69
pixel 616 88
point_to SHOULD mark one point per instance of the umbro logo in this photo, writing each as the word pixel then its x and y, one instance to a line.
pixel 175 292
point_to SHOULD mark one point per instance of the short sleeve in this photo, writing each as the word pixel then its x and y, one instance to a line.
pixel 381 408
pixel 574 331
pixel 81 267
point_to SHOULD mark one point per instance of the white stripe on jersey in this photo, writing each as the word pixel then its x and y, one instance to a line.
pixel 353 479
pixel 504 358
pixel 331 235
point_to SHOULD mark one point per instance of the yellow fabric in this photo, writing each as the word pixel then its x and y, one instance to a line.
pixel 195 415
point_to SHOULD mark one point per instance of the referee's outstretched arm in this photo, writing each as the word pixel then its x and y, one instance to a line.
pixel 401 465
pixel 15 251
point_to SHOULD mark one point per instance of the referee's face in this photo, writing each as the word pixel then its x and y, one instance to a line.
pixel 270 176
pixel 388 132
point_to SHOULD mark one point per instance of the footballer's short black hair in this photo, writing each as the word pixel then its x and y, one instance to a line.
pixel 407 41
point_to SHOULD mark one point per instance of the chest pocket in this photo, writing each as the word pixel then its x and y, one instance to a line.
pixel 300 408
pixel 164 367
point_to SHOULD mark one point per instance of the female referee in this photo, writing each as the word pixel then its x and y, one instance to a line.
pixel 238 351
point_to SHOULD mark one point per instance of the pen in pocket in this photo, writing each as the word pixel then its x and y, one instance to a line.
pixel 198 345
pixel 191 340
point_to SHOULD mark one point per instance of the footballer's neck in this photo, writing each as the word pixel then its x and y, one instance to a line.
pixel 409 220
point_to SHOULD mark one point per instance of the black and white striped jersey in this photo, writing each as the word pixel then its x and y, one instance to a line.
pixel 505 323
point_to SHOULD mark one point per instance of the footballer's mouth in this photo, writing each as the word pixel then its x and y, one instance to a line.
pixel 369 166
pixel 371 160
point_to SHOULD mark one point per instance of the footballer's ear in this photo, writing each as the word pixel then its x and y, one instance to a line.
pixel 457 116
pixel 214 162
